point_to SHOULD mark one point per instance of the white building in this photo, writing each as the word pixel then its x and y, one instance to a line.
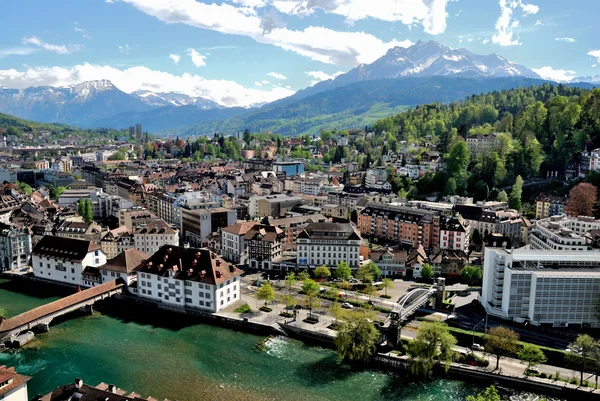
pixel 109 205
pixel 232 241
pixel 594 160
pixel 65 259
pixel 150 237
pixel 328 244
pixel 189 278
pixel 374 175
pixel 15 247
pixel 483 144
pixel 123 266
pixel 563 233
pixel 13 386
pixel 454 234
pixel 543 287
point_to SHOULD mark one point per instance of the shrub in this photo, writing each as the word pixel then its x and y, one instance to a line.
pixel 385 296
pixel 266 309
pixel 543 375
pixel 311 320
pixel 557 375
pixel 243 309
pixel 286 314
pixel 573 380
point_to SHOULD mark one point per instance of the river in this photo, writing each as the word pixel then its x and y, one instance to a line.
pixel 166 355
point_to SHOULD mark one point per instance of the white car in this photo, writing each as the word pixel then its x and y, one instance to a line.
pixel 477 347
pixel 347 305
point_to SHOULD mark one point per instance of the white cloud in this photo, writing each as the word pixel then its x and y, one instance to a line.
pixel 506 23
pixel 58 49
pixel 258 84
pixel 126 48
pixel 277 75
pixel 318 43
pixel 555 75
pixel 227 93
pixel 565 39
pixel 538 23
pixel 486 40
pixel 321 76
pixel 175 58
pixel 265 82
pixel 16 51
pixel 197 58
pixel 594 65
pixel 595 53
pixel 429 13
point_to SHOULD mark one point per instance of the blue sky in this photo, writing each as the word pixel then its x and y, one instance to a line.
pixel 242 52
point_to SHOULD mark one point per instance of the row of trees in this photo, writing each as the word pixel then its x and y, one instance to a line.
pixel 84 209
pixel 469 274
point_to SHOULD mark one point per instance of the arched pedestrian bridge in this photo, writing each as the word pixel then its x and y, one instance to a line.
pixel 43 315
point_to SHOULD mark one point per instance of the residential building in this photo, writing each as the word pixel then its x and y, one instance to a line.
pixel 328 244
pixel 483 144
pixel 290 168
pixel 76 191
pixel 123 266
pixel 150 237
pixel 15 247
pixel 402 224
pixel 197 225
pixel 233 244
pixel 454 234
pixel 116 241
pixel 13 386
pixel 563 233
pixel 263 245
pixel 65 259
pixel 293 226
pixel 79 391
pixel 272 205
pixel 189 278
pixel 375 175
pixel 542 287
pixel 594 160
pixel 337 211
pixel 492 219
pixel 109 206
pixel 135 217
pixel 549 205
pixel 80 230
pixel 391 262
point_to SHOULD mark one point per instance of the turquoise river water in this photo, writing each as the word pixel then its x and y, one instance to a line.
pixel 182 359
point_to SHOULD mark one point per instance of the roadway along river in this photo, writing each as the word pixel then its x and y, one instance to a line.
pixel 167 355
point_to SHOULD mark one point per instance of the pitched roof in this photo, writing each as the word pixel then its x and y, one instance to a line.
pixel 267 233
pixel 239 228
pixel 191 264
pixel 330 230
pixel 155 227
pixel 64 248
pixel 126 261
pixel 7 374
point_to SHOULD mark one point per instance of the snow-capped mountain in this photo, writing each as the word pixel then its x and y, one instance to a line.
pixel 75 104
pixel 160 99
pixel 425 59
pixel 593 79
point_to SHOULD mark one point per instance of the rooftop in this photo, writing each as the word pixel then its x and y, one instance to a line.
pixel 126 261
pixel 64 248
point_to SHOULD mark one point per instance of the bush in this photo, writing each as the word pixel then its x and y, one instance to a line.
pixel 385 296
pixel 543 375
pixel 286 314
pixel 557 375
pixel 573 381
pixel 311 320
pixel 243 309
pixel 265 309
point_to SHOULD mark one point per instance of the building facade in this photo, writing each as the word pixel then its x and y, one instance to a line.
pixel 548 206
pixel 151 237
pixel 263 245
pixel 562 233
pixel 328 244
pixel 15 248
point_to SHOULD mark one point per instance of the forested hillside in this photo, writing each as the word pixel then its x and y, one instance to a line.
pixel 543 128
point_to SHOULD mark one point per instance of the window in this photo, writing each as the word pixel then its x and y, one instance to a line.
pixel 188 300
pixel 201 303
pixel 208 295
pixel 201 294
pixel 221 302
pixel 188 292
pixel 112 274
pixel 72 271
pixel 208 304
pixel 149 292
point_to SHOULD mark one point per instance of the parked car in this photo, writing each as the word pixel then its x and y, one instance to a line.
pixel 532 372
pixel 477 347
pixel 347 305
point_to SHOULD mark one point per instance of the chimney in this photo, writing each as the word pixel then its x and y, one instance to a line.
pixel 186 245
pixel 78 383
pixel 112 389
pixel 218 262
pixel 213 255
pixel 202 273
pixel 169 250
pixel 231 268
pixel 218 274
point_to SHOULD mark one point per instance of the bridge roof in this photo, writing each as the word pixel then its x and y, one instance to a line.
pixel 45 310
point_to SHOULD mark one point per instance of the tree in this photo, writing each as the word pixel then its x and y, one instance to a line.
pixel 311 289
pixel 476 238
pixel 532 355
pixel 471 274
pixel 582 200
pixel 583 351
pixel 322 272
pixel 303 276
pixel 433 344
pixel 88 213
pixel 58 191
pixel 387 283
pixel 369 290
pixel 81 207
pixel 426 271
pixel 343 271
pixel 502 196
pixel 345 285
pixel 265 293
pixel 336 310
pixel 290 281
pixel 514 200
pixel 368 272
pixel 458 159
pixel 24 187
pixel 450 188
pixel 490 394
pixel 356 340
pixel 501 342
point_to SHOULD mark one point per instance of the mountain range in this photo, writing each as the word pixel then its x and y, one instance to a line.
pixel 403 77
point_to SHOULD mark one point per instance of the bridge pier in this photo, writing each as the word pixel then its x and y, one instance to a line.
pixel 43 327
pixel 87 309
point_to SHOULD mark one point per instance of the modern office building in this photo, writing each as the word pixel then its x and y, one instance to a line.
pixel 563 233
pixel 542 287
pixel 289 168
pixel 197 225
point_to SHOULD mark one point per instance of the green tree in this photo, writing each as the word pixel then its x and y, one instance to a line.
pixel 583 351
pixel 81 207
pixel 356 340
pixel 265 293
pixel 471 274
pixel 369 290
pixel 490 394
pixel 426 271
pixel 88 213
pixel 458 159
pixel 432 345
pixel 532 355
pixel 311 289
pixel 303 276
pixel 502 196
pixel 58 191
pixel 322 272
pixel 450 188
pixel 368 272
pixel 345 285
pixel 501 342
pixel 387 283
pixel 514 201
pixel 336 311
pixel 24 187
pixel 343 271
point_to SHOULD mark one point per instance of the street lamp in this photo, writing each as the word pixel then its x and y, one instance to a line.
pixel 474 327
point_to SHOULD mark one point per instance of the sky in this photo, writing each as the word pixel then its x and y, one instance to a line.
pixel 246 52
